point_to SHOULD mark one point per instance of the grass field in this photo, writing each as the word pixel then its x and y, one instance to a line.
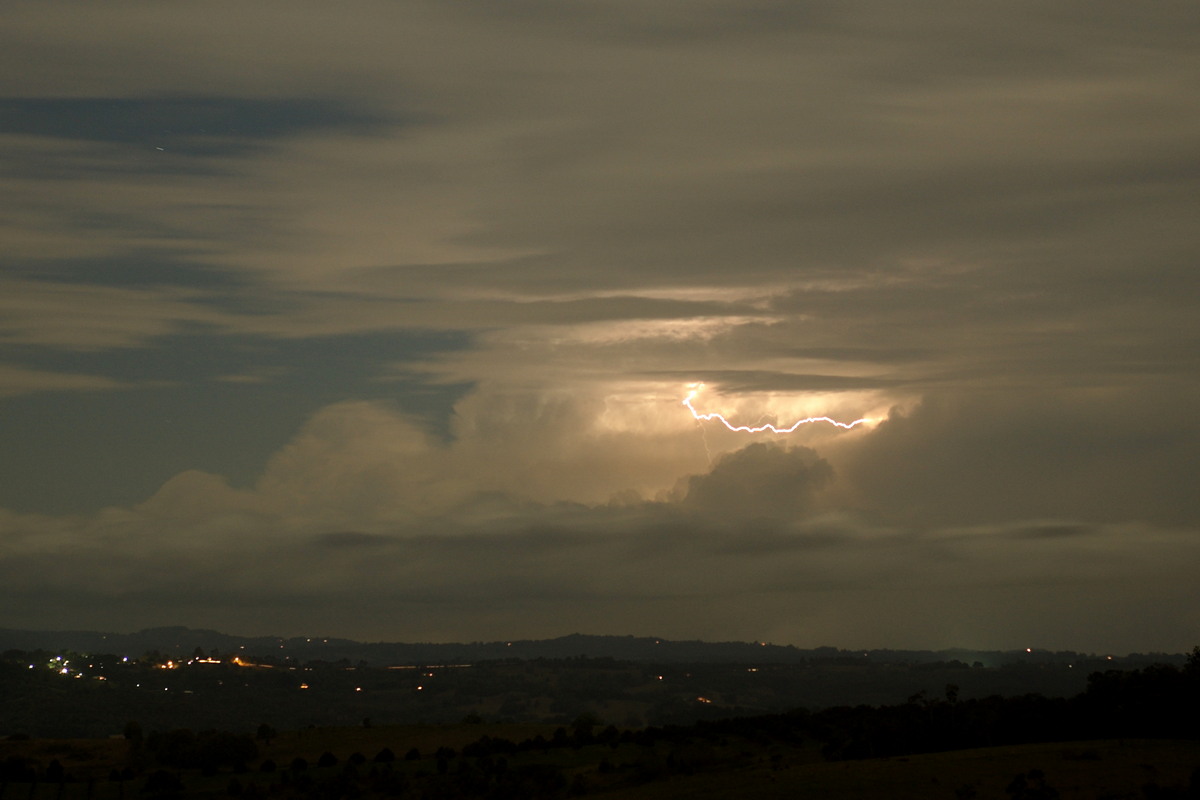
pixel 1091 770
pixel 733 769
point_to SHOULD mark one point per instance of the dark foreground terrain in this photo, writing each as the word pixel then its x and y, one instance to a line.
pixel 1129 734
pixel 95 683
pixel 497 761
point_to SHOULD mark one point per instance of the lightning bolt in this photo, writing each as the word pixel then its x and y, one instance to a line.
pixel 694 389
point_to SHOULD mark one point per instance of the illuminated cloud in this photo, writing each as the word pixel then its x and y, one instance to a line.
pixel 403 303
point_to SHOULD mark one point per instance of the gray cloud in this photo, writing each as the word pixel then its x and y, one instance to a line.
pixel 760 480
pixel 438 277
pixel 831 580
pixel 200 125
pixel 1086 454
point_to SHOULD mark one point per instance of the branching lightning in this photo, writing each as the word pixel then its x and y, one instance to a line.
pixel 694 389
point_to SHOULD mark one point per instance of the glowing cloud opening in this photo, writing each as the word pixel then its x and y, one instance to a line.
pixel 694 389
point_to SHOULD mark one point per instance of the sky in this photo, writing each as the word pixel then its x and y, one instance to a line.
pixel 377 320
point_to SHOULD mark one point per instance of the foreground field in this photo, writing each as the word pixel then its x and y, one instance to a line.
pixel 1111 770
pixel 449 762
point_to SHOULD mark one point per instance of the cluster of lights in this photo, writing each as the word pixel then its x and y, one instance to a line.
pixel 61 665
pixel 238 662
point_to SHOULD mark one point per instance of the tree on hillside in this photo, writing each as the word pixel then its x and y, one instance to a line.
pixel 265 734
pixel 1191 667
pixel 162 784
pixel 1031 786
pixel 133 734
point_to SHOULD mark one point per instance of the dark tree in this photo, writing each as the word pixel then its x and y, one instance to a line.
pixel 1191 668
pixel 265 734
pixel 133 734
pixel 175 748
pixel 1031 786
pixel 163 784
pixel 216 749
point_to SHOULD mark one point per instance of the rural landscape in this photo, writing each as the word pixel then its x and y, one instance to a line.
pixel 541 399
pixel 201 714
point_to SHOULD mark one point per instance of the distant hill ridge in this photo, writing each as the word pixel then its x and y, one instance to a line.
pixel 183 641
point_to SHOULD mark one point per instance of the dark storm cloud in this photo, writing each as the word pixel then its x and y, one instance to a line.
pixel 408 302
pixel 760 480
pixel 197 354
pixel 1093 455
pixel 764 539
pixel 138 268
pixel 1053 531
pixel 852 583
pixel 201 126
pixel 352 539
